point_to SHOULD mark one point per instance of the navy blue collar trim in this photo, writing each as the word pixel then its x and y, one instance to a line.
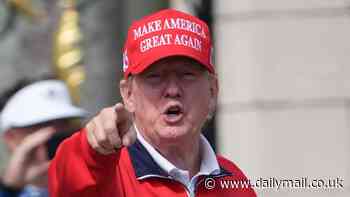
pixel 142 161
pixel 145 166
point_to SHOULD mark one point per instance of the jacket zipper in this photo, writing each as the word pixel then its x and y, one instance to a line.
pixel 185 187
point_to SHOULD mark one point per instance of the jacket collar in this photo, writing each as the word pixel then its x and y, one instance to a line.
pixel 146 167
pixel 143 163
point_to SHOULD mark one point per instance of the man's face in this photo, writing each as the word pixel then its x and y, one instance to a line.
pixel 15 136
pixel 171 99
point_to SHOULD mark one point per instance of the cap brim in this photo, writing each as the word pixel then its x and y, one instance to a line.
pixel 45 115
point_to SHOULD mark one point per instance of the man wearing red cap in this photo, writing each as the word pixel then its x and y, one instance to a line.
pixel 152 144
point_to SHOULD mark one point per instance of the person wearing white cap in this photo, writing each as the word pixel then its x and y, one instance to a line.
pixel 30 118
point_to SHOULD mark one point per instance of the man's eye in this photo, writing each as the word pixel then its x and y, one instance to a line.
pixel 153 76
pixel 189 75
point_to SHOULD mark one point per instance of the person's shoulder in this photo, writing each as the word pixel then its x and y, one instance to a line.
pixel 68 145
pixel 237 175
pixel 230 166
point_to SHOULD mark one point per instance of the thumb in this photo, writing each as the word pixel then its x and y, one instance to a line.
pixel 129 138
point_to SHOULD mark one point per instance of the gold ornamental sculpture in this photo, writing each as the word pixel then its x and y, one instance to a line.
pixel 67 53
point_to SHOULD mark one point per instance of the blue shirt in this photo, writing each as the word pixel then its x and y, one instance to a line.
pixel 28 191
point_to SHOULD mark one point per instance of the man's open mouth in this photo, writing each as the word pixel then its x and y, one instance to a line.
pixel 173 113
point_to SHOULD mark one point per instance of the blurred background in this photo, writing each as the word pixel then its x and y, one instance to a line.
pixel 283 66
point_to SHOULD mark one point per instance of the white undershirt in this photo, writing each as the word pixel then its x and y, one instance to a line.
pixel 209 163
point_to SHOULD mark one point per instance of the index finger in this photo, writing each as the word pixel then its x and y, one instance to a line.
pixel 37 138
pixel 123 119
pixel 122 113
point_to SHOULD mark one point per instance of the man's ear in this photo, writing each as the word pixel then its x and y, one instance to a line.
pixel 125 86
pixel 214 91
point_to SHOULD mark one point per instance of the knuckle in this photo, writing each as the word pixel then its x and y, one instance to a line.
pixel 95 146
pixel 98 133
pixel 116 141
pixel 104 110
pixel 102 143
pixel 101 139
pixel 109 127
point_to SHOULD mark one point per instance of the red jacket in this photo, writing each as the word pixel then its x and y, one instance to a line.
pixel 77 170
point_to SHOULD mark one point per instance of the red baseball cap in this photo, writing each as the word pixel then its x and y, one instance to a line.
pixel 163 34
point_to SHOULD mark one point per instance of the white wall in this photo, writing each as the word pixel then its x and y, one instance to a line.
pixel 285 89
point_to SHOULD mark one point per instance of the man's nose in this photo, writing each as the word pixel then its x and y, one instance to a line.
pixel 173 88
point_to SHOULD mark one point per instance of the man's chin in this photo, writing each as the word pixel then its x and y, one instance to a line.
pixel 174 133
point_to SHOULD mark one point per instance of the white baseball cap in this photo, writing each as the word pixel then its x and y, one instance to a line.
pixel 38 103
